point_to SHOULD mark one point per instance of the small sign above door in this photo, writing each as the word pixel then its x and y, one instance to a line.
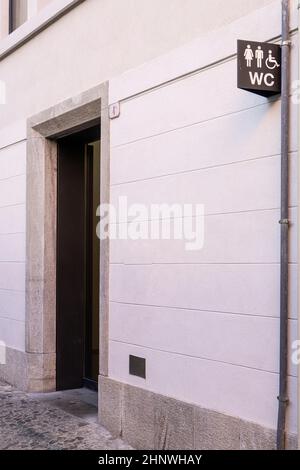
pixel 259 67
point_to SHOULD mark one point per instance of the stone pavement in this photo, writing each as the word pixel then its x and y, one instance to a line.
pixel 56 421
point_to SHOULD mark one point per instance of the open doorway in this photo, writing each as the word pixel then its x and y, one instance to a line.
pixel 78 258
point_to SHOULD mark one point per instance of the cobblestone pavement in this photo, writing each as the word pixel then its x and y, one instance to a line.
pixel 32 421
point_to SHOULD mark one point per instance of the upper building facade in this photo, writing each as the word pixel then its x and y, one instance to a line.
pixel 108 99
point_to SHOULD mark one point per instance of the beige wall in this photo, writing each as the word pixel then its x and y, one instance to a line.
pixel 43 3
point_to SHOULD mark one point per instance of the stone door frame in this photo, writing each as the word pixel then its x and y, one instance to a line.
pixel 65 118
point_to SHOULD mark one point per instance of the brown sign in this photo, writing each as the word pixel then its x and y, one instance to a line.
pixel 259 67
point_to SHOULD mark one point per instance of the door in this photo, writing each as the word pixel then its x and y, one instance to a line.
pixel 77 308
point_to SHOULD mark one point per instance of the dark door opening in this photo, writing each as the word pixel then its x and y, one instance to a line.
pixel 78 251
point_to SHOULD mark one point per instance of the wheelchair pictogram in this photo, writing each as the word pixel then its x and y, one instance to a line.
pixel 271 62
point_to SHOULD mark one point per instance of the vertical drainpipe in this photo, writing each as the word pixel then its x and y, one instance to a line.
pixel 298 403
pixel 284 229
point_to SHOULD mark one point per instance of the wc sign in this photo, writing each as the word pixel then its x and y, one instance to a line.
pixel 259 67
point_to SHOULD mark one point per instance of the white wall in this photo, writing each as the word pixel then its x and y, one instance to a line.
pixel 207 322
pixel 95 41
pixel 12 240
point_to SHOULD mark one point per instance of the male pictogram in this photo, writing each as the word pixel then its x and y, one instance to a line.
pixel 259 55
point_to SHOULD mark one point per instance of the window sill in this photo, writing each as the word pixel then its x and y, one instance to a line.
pixel 35 25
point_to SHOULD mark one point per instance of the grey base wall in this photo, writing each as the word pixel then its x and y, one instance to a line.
pixel 147 420
pixel 29 371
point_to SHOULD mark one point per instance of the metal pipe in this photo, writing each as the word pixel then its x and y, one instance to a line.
pixel 284 228
pixel 298 402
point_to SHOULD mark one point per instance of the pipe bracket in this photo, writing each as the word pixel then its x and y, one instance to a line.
pixel 283 400
pixel 284 222
pixel 286 43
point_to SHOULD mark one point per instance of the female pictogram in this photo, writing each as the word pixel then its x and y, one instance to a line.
pixel 249 56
